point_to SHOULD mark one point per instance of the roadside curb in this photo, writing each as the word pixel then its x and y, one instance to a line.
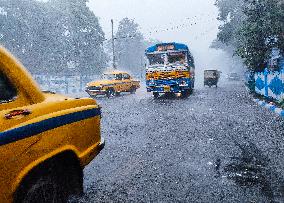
pixel 271 107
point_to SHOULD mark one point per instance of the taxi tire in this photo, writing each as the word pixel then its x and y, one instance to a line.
pixel 110 92
pixel 44 189
pixel 60 180
pixel 133 90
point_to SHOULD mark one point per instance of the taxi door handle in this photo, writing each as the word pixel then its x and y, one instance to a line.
pixel 16 113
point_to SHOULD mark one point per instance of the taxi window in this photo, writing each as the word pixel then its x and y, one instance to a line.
pixel 7 90
pixel 126 76
pixel 118 76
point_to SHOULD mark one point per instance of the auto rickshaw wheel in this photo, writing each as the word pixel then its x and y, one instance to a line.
pixel 156 95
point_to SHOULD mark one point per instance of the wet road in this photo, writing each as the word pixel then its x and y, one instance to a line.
pixel 215 146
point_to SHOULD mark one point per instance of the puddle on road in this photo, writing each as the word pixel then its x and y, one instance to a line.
pixel 251 169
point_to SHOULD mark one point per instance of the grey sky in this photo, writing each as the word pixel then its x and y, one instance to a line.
pixel 159 15
pixel 156 16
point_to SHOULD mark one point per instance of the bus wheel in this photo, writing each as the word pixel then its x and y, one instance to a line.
pixel 170 94
pixel 185 93
pixel 156 95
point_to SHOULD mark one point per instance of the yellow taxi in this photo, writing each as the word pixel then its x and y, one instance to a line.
pixel 45 139
pixel 112 84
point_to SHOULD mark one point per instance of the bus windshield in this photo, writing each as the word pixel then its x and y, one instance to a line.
pixel 176 58
pixel 156 59
pixel 172 58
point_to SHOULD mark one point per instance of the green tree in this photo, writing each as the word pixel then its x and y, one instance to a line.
pixel 231 15
pixel 251 28
pixel 262 31
pixel 83 35
pixel 130 45
pixel 57 36
pixel 17 21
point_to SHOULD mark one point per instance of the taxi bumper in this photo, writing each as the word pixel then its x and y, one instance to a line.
pixel 91 153
pixel 96 92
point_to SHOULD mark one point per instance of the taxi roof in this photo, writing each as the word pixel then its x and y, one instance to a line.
pixel 115 72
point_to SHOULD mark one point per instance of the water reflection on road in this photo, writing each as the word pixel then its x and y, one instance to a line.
pixel 215 146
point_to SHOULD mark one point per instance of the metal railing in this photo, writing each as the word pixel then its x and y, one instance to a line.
pixel 69 84
pixel 64 84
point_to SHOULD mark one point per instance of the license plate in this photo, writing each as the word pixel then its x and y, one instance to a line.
pixel 167 88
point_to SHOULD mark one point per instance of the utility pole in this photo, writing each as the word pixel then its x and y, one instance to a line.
pixel 113 52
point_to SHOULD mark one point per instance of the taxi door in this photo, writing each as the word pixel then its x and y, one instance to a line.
pixel 119 86
pixel 9 99
pixel 10 149
pixel 127 82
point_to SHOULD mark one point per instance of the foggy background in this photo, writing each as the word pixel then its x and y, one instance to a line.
pixel 191 22
pixel 68 42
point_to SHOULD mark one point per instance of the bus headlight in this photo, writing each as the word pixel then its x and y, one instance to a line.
pixel 152 82
pixel 183 83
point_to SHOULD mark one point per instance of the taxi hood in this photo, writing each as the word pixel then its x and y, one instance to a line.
pixel 98 83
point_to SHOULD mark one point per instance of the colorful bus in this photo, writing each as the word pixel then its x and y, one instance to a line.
pixel 170 69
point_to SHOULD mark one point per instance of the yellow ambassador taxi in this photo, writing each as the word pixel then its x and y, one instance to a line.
pixel 112 84
pixel 45 139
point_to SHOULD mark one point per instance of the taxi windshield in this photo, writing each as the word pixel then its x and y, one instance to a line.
pixel 109 76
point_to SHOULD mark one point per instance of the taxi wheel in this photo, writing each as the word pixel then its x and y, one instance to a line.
pixel 52 182
pixel 110 93
pixel 45 189
pixel 132 90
